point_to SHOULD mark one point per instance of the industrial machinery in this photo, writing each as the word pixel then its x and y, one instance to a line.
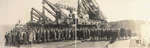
pixel 86 22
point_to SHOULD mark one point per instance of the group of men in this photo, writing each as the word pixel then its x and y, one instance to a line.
pixel 96 34
pixel 14 37
pixel 39 35
pixel 53 35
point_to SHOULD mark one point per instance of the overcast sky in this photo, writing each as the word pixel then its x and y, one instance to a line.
pixel 13 10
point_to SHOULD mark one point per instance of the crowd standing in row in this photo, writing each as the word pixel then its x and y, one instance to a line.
pixel 40 35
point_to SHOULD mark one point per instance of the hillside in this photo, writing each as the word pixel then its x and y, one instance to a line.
pixel 133 25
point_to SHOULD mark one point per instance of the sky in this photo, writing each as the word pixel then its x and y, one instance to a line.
pixel 13 10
